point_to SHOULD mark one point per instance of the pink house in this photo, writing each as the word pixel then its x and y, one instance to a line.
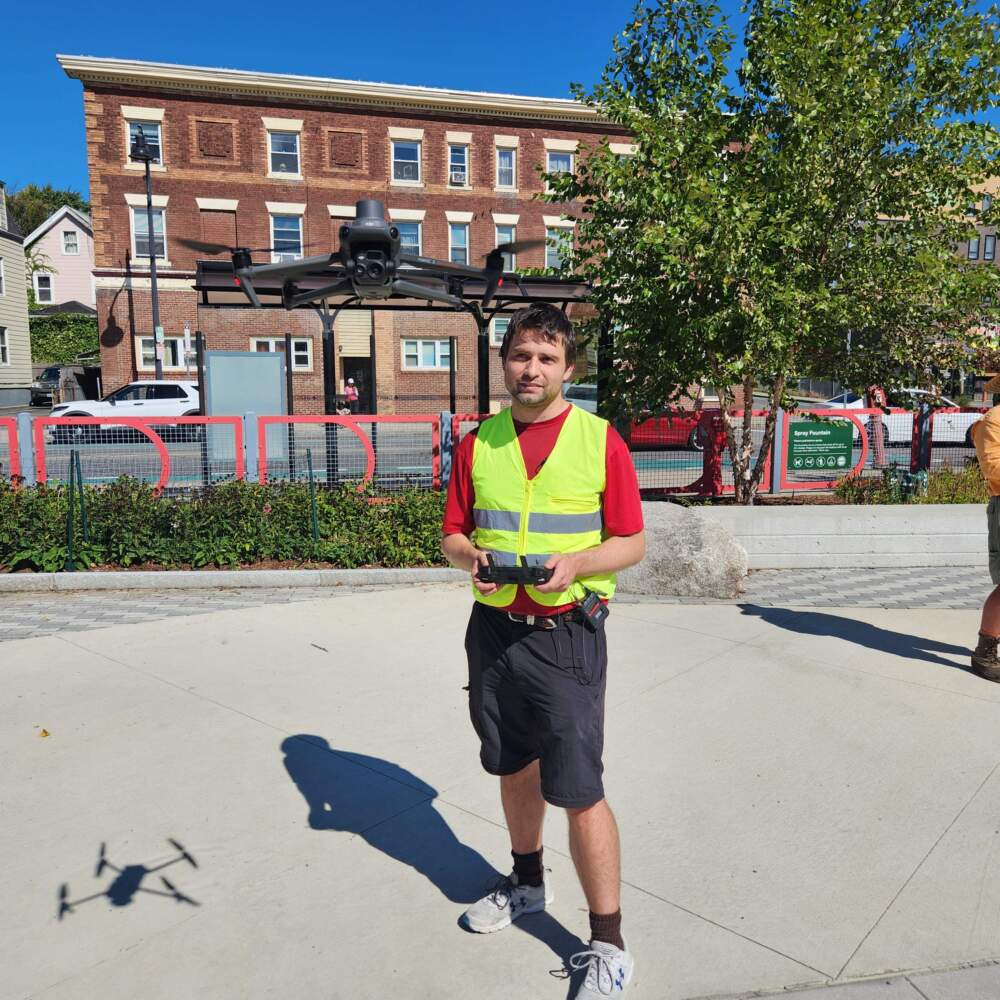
pixel 65 242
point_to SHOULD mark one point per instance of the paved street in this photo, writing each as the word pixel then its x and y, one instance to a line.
pixel 807 799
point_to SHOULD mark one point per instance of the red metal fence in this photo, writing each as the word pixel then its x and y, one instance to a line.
pixel 10 454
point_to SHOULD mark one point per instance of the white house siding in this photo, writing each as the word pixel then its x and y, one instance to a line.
pixel 15 377
pixel 72 275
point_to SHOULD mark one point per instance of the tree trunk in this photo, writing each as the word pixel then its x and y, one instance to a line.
pixel 747 472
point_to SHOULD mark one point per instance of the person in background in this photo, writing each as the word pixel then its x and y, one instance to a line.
pixel 986 436
pixel 351 395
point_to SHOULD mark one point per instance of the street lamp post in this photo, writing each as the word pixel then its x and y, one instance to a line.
pixel 141 153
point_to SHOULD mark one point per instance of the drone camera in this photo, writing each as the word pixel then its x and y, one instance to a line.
pixel 369 247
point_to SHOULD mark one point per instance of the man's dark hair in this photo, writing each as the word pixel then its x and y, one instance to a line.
pixel 548 321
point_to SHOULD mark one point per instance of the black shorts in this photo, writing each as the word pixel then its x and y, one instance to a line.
pixel 538 694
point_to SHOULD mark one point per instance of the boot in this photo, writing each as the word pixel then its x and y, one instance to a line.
pixel 984 658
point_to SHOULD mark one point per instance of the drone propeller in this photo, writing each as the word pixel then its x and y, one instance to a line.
pixel 516 247
pixel 183 853
pixel 213 249
pixel 101 861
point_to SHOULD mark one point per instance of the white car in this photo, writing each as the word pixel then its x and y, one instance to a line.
pixel 953 428
pixel 137 399
pixel 582 394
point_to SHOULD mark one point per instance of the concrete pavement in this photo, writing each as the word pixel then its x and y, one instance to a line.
pixel 805 798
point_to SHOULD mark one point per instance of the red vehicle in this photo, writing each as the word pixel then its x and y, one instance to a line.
pixel 678 431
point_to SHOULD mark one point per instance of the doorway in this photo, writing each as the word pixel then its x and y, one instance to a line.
pixel 359 369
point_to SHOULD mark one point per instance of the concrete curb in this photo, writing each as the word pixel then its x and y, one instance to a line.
pixel 234 579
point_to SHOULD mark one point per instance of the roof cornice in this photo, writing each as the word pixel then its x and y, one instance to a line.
pixel 271 86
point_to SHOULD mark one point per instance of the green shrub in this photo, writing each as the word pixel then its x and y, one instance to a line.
pixel 229 525
pixel 895 485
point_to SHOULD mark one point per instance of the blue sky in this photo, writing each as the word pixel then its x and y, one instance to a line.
pixel 519 48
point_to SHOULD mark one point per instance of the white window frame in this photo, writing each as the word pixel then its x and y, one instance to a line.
pixel 420 235
pixel 140 362
pixel 468 165
pixel 974 243
pixel 406 182
pixel 4 348
pixel 160 261
pixel 276 257
pixel 420 341
pixel 452 245
pixel 271 172
pixel 989 246
pixel 52 288
pixel 497 150
pixel 146 117
pixel 3 279
pixel 75 233
pixel 496 336
pixel 497 226
pixel 272 348
pixel 564 231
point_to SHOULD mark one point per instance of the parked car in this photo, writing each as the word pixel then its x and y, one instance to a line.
pixel 949 428
pixel 137 399
pixel 50 379
pixel 680 431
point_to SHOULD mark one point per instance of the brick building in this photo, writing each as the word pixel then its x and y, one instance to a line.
pixel 268 160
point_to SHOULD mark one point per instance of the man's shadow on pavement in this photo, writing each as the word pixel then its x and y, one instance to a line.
pixel 344 794
pixel 884 640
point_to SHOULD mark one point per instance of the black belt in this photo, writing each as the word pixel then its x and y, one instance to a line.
pixel 546 621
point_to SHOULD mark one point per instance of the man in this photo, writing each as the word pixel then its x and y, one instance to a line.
pixel 986 435
pixel 555 484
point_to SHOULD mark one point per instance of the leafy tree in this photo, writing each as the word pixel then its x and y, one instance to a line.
pixel 31 205
pixel 63 338
pixel 802 223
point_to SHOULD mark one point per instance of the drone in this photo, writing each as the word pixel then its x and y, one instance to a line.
pixel 129 881
pixel 370 264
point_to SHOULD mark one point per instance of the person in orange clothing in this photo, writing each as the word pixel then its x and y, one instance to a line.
pixel 986 435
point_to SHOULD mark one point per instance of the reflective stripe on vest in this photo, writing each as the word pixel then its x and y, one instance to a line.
pixel 557 512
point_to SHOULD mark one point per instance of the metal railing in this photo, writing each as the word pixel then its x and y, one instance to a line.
pixel 10 453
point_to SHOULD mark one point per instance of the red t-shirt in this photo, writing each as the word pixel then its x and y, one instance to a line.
pixel 620 502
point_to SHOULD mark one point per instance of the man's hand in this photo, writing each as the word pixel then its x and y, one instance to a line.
pixel 483 588
pixel 565 569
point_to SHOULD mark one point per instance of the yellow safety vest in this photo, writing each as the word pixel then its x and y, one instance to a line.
pixel 557 511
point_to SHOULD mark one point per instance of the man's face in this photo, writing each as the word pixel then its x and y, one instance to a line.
pixel 535 369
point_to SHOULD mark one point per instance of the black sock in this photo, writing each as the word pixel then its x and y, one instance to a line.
pixel 528 867
pixel 607 927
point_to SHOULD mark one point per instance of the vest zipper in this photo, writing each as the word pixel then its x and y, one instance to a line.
pixel 522 538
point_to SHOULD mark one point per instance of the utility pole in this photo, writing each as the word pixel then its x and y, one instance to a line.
pixel 142 153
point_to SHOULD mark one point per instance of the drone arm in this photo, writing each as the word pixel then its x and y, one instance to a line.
pixel 291 269
pixel 413 290
pixel 247 285
pixel 314 294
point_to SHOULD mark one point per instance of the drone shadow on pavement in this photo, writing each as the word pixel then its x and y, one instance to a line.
pixel 884 640
pixel 341 796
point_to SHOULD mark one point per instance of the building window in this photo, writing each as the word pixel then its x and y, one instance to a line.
pixel 286 237
pixel 989 247
pixel 458 165
pixel 301 350
pixel 498 328
pixel 151 133
pixel 409 237
pixel 506 168
pixel 71 242
pixel 406 161
pixel 987 202
pixel 974 249
pixel 458 242
pixel 507 234
pixel 426 354
pixel 140 233
pixel 284 152
pixel 557 242
pixel 173 353
pixel 43 288
pixel 4 348
pixel 3 290
pixel 559 163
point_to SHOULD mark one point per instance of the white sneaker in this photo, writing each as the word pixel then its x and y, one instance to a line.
pixel 505 903
pixel 609 971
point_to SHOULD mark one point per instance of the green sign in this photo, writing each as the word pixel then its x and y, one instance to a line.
pixel 814 445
